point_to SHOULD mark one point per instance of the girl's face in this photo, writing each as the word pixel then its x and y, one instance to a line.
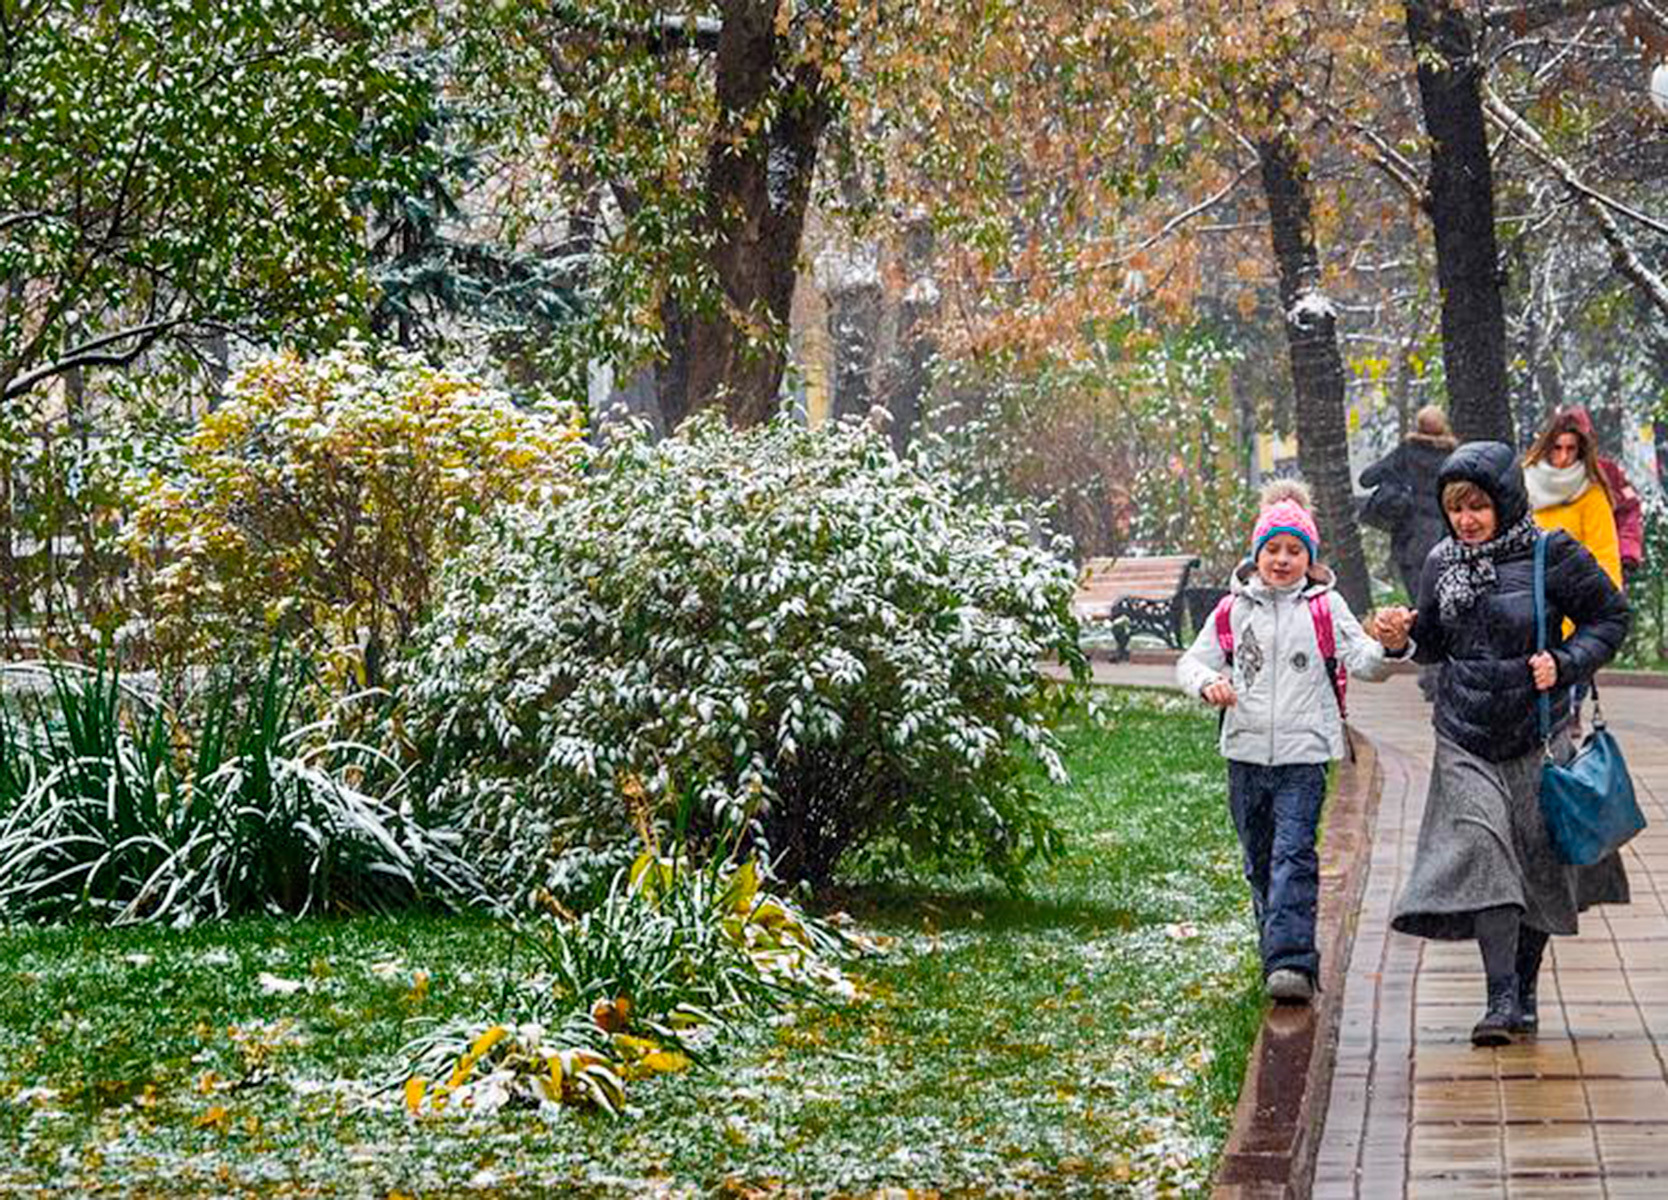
pixel 1282 561
pixel 1565 449
pixel 1473 519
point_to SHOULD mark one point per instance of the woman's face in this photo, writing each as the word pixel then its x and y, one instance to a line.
pixel 1473 519
pixel 1565 449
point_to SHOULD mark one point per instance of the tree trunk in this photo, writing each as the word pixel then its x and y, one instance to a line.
pixel 855 298
pixel 1316 363
pixel 1461 205
pixel 911 373
pixel 772 109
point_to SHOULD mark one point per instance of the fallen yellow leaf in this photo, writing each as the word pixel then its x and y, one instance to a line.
pixel 667 1062
pixel 487 1041
pixel 635 1045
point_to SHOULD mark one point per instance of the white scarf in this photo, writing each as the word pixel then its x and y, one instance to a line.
pixel 1550 486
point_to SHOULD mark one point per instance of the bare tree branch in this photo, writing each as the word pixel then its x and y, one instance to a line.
pixel 1123 254
pixel 1654 11
pixel 95 353
pixel 21 218
pixel 1375 148
pixel 1626 260
pixel 1536 14
pixel 1517 127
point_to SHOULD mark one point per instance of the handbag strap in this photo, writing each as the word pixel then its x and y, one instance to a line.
pixel 1543 701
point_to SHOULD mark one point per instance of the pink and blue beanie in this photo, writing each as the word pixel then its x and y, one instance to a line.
pixel 1285 516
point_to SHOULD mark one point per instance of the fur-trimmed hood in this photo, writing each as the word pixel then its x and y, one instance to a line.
pixel 1438 441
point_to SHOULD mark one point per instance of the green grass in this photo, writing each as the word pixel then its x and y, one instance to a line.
pixel 1086 1038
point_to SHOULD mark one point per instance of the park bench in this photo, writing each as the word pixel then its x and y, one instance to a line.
pixel 1136 594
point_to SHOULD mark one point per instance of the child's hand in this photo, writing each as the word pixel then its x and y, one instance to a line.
pixel 1220 694
pixel 1391 626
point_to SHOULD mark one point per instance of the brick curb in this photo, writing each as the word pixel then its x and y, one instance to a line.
pixel 1282 1103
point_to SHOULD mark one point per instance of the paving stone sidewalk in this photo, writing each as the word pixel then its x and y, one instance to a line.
pixel 1415 1110
pixel 1582 1111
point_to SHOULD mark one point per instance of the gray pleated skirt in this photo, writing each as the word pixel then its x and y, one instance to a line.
pixel 1482 843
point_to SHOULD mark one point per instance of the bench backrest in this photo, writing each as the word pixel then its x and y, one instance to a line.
pixel 1158 577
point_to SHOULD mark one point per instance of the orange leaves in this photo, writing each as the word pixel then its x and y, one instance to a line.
pixel 612 1016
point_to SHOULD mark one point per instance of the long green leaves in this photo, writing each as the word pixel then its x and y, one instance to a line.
pixel 110 809
pixel 638 985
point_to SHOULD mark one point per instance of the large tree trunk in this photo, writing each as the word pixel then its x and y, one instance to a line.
pixel 855 300
pixel 1317 366
pixel 1461 204
pixel 911 373
pixel 772 109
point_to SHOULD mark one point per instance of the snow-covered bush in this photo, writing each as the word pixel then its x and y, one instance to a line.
pixel 317 503
pixel 781 624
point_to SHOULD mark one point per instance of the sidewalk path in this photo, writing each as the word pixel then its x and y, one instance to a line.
pixel 1415 1110
pixel 1583 1111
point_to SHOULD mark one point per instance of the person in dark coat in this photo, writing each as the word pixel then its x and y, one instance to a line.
pixel 1409 472
pixel 1484 866
pixel 1412 466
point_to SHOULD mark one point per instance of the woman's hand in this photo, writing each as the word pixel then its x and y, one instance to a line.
pixel 1391 627
pixel 1220 693
pixel 1545 670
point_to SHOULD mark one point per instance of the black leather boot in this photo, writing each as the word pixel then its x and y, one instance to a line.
pixel 1502 1017
pixel 1531 945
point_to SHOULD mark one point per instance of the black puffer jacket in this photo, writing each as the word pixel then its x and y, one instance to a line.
pixel 1487 700
pixel 1414 464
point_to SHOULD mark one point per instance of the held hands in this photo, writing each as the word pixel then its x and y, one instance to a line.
pixel 1391 626
pixel 1545 670
pixel 1219 693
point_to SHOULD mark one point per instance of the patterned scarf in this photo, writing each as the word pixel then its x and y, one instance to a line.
pixel 1467 571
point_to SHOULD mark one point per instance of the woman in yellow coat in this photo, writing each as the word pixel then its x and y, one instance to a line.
pixel 1567 490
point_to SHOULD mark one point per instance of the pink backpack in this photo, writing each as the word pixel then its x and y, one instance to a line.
pixel 1320 612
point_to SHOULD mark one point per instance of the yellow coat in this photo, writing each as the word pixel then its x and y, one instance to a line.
pixel 1588 520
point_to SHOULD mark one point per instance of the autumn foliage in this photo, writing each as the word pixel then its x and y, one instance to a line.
pixel 317 504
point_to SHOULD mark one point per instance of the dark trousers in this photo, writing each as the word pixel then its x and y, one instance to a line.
pixel 1276 812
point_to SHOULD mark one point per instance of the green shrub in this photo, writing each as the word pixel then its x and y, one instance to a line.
pixel 109 809
pixel 786 625
pixel 1649 590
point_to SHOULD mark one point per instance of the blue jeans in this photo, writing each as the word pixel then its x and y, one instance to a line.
pixel 1276 812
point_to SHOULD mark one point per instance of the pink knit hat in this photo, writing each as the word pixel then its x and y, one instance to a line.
pixel 1285 516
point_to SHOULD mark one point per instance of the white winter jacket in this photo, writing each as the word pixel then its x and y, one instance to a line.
pixel 1285 710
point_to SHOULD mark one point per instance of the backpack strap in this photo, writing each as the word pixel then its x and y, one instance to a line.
pixel 1222 617
pixel 1326 640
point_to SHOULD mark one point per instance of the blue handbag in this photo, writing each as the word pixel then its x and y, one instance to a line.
pixel 1588 803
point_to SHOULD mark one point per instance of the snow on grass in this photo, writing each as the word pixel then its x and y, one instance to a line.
pixel 1083 1038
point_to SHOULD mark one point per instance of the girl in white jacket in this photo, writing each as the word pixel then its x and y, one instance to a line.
pixel 1270 659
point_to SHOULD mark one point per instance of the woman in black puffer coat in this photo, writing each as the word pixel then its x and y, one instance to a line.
pixel 1484 867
